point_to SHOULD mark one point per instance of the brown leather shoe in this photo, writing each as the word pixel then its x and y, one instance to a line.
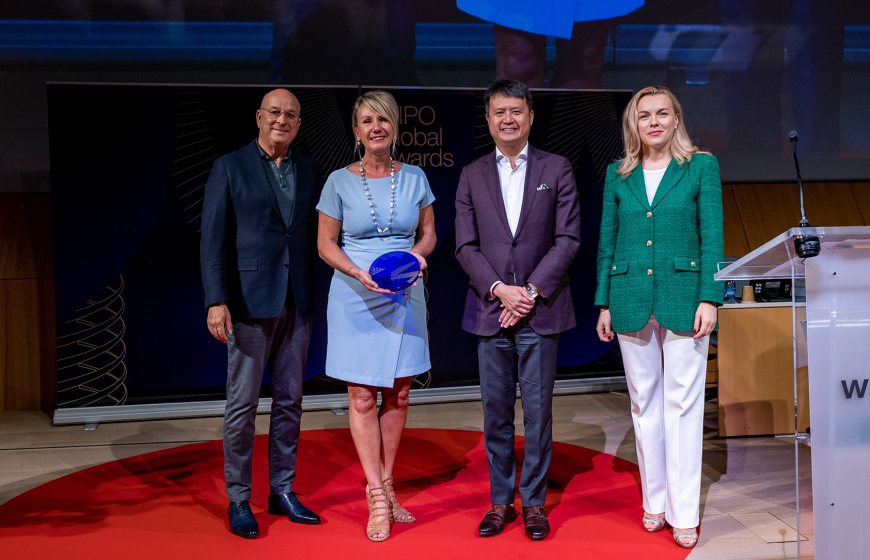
pixel 535 520
pixel 496 519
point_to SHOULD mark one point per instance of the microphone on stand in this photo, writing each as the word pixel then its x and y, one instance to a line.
pixel 806 244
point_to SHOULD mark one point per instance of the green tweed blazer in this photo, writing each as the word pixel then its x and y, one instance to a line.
pixel 659 259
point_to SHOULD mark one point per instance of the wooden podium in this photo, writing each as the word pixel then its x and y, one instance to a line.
pixel 756 374
pixel 838 356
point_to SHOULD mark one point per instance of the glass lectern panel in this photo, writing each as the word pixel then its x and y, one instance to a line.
pixel 833 513
pixel 777 258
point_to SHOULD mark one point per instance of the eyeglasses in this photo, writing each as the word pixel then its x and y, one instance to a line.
pixel 275 113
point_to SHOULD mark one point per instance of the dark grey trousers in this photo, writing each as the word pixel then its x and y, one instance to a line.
pixel 281 344
pixel 512 355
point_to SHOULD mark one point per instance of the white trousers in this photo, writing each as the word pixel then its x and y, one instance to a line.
pixel 666 372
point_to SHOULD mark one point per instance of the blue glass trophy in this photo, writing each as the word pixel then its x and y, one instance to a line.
pixel 395 271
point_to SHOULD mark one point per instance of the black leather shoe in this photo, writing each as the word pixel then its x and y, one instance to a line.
pixel 496 519
pixel 535 520
pixel 242 520
pixel 289 505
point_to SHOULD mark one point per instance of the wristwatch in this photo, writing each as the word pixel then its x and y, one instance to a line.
pixel 533 291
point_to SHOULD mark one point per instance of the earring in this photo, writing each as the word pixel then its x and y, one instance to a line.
pixel 357 150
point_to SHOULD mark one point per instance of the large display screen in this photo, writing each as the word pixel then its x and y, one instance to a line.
pixel 748 72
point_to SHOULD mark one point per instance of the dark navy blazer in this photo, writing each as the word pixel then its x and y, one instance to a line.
pixel 249 252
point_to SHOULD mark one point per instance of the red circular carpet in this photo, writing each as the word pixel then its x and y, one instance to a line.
pixel 170 504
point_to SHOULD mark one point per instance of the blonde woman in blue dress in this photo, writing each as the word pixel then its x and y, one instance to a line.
pixel 377 338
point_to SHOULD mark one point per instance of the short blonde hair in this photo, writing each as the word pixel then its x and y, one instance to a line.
pixel 384 104
pixel 681 147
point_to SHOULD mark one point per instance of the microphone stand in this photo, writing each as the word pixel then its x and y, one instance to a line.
pixel 806 244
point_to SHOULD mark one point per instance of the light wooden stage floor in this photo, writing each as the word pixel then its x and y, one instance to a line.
pixel 747 499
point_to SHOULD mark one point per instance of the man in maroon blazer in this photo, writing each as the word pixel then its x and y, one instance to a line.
pixel 517 231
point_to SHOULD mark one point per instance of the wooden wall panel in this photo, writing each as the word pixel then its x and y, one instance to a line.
pixel 46 321
pixel 27 346
pixel 861 193
pixel 25 236
pixel 831 204
pixel 756 375
pixel 736 244
pixel 27 342
pixel 766 210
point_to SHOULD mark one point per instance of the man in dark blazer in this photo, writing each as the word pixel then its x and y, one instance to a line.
pixel 517 231
pixel 257 259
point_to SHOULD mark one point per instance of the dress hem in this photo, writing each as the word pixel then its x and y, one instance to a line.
pixel 360 379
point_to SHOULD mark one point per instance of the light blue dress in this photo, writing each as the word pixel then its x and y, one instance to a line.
pixel 374 338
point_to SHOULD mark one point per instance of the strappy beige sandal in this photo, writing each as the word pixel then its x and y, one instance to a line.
pixel 400 514
pixel 653 523
pixel 378 527
pixel 686 538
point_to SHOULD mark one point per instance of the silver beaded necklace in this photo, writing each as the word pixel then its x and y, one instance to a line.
pixel 368 194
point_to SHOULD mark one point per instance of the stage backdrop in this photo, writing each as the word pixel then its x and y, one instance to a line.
pixel 128 167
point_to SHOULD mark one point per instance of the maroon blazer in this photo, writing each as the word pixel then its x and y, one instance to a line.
pixel 547 238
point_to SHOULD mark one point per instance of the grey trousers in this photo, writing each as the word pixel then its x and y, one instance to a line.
pixel 281 343
pixel 518 354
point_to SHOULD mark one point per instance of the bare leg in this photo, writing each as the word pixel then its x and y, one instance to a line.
pixel 366 435
pixel 392 416
pixel 520 56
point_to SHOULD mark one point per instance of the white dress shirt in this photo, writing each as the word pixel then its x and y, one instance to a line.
pixel 513 183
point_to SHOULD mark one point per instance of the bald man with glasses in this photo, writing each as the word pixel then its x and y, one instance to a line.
pixel 257 256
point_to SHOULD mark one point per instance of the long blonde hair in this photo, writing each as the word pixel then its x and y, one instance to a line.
pixel 681 147
pixel 384 104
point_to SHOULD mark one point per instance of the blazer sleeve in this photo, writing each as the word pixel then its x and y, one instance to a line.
pixel 550 272
pixel 216 240
pixel 473 262
pixel 710 225
pixel 607 237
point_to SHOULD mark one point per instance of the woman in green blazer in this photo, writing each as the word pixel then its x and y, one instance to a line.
pixel 661 242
